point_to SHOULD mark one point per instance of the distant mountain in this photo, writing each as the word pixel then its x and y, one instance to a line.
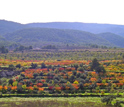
pixel 59 33
pixel 89 27
pixel 113 38
pixel 9 26
pixel 41 36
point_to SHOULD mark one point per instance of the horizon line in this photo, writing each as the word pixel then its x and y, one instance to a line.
pixel 61 22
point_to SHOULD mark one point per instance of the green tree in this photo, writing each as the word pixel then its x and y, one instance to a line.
pixel 76 66
pixel 18 66
pixel 11 67
pixel 21 48
pixel 80 69
pixel 35 75
pixel 30 47
pixel 94 64
pixel 3 49
pixel 33 66
pixel 43 65
pixel 100 69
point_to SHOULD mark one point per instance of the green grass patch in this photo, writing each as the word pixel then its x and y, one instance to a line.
pixel 52 102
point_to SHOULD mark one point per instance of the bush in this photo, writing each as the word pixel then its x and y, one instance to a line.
pixel 35 75
pixel 81 86
pixel 19 89
pixel 76 66
pixel 100 69
pixel 78 75
pixel 108 99
pixel 118 103
pixel 11 67
pixel 80 69
pixel 33 66
pixel 11 81
pixel 43 65
pixel 18 66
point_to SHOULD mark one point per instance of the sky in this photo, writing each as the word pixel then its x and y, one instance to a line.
pixel 87 11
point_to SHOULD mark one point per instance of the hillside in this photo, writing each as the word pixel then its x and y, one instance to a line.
pixel 9 26
pixel 61 33
pixel 113 38
pixel 89 27
pixel 42 36
pixel 4 42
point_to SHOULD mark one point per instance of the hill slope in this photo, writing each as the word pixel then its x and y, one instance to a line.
pixel 4 42
pixel 9 26
pixel 89 27
pixel 40 36
pixel 113 38
pixel 53 33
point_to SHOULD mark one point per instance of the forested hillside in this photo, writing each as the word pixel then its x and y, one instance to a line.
pixel 60 33
pixel 9 26
pixel 40 36
pixel 113 38
pixel 89 27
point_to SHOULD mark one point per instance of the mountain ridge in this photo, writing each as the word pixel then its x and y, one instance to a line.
pixel 89 27
pixel 61 33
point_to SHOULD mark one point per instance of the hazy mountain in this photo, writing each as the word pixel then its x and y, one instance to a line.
pixel 9 26
pixel 40 36
pixel 89 27
pixel 61 33
pixel 113 38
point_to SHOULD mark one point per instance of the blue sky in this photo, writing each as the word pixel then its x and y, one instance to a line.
pixel 89 11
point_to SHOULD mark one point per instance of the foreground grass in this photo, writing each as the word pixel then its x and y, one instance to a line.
pixel 52 102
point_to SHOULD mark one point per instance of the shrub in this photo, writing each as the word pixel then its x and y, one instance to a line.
pixel 35 75
pixel 15 83
pixel 11 67
pixel 33 66
pixel 80 69
pixel 76 66
pixel 83 76
pixel 18 66
pixel 118 103
pixel 22 75
pixel 108 99
pixel 43 65
pixel 78 75
pixel 11 81
pixel 81 86
pixel 100 69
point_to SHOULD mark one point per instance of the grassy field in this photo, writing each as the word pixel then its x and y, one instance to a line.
pixel 53 102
